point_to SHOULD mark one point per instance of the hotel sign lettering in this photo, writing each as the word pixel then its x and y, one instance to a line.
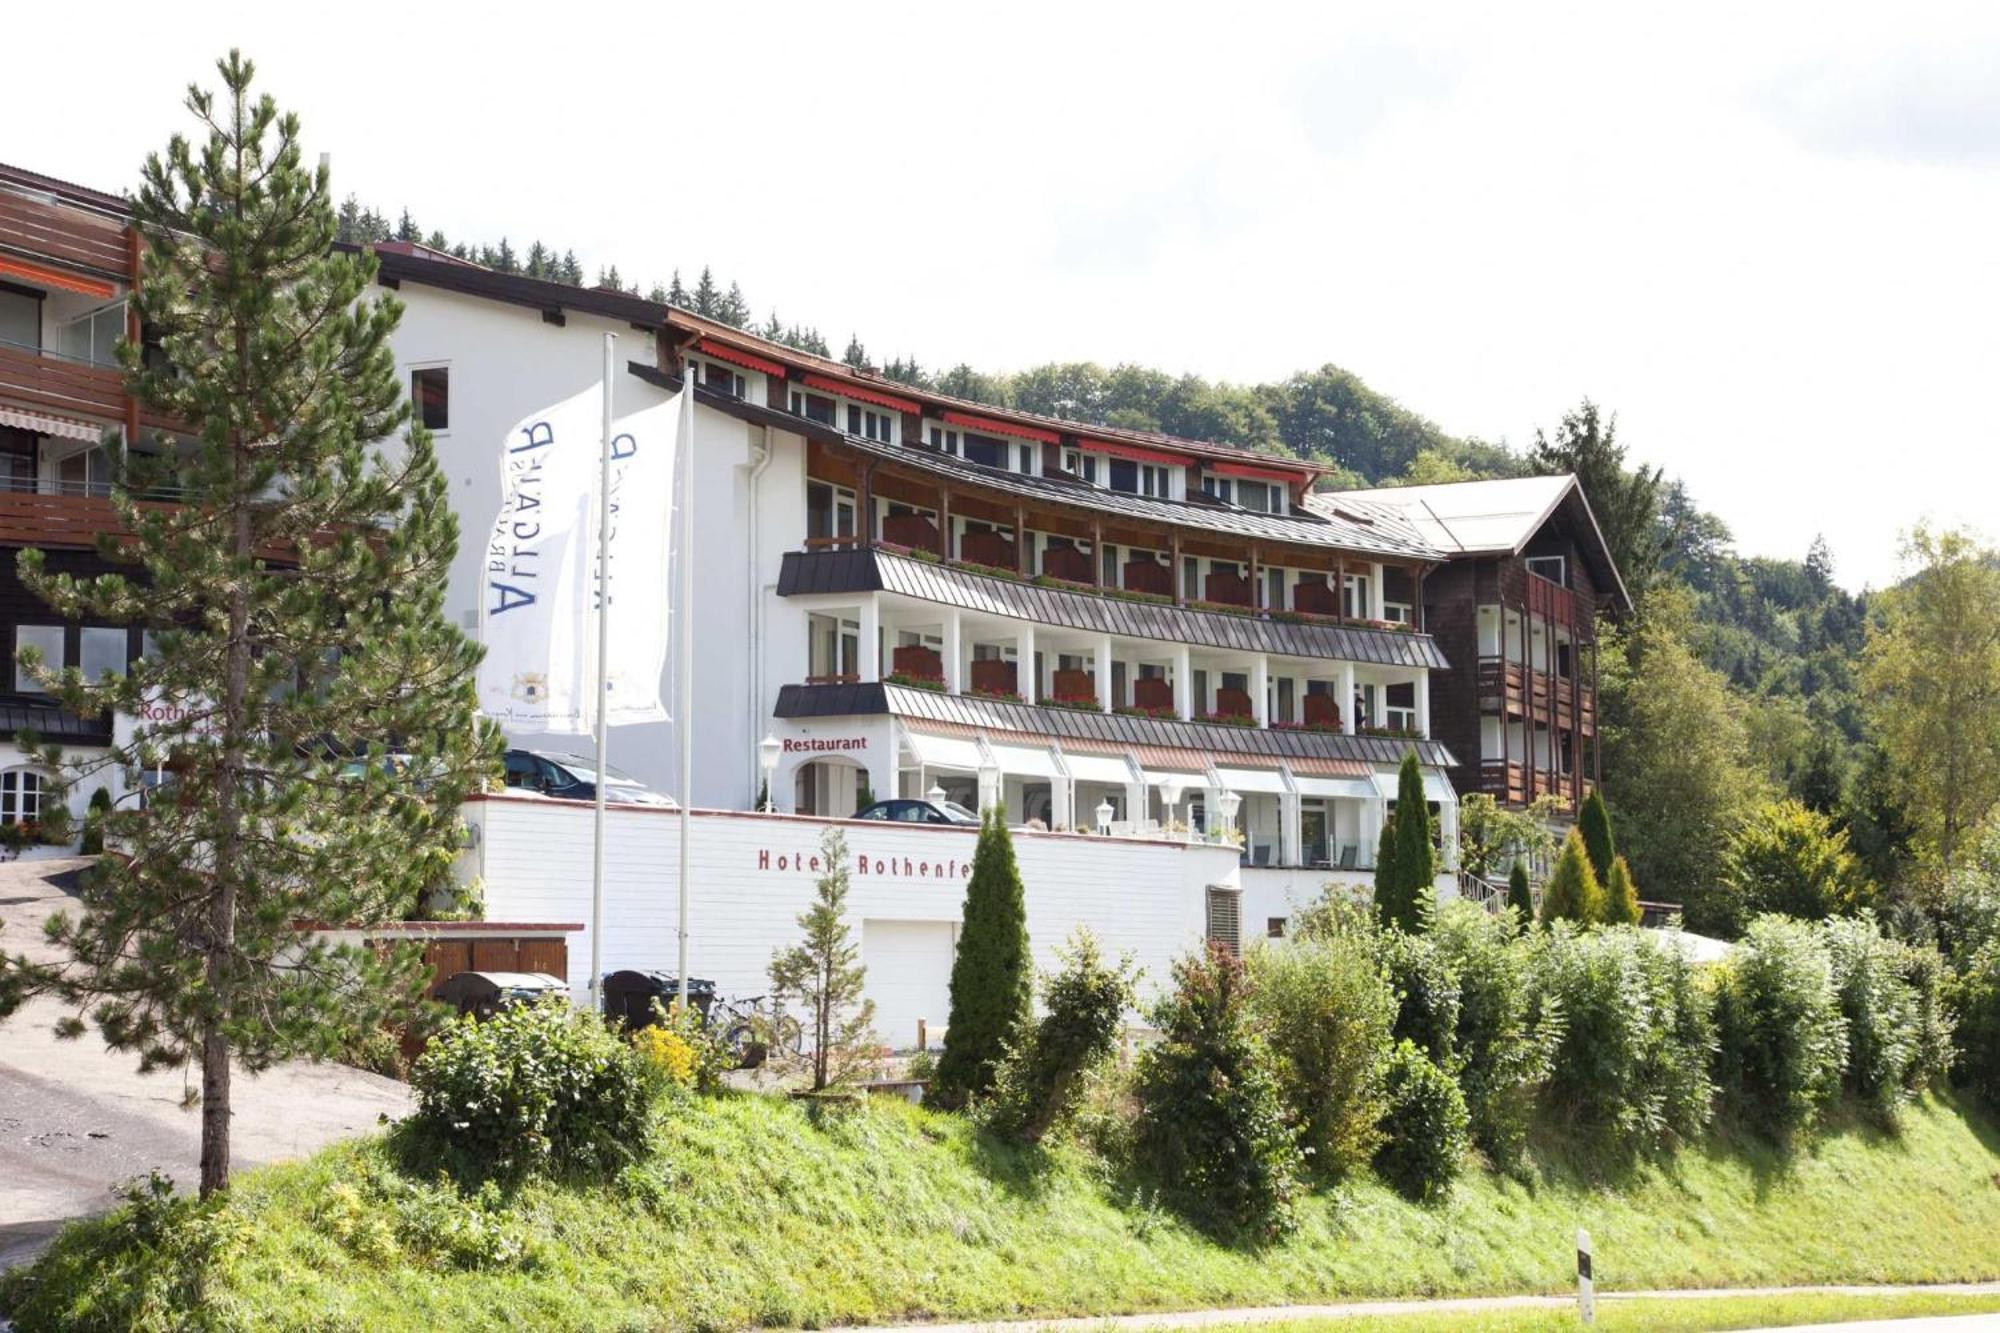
pixel 865 864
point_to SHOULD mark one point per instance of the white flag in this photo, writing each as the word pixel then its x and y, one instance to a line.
pixel 538 558
pixel 644 449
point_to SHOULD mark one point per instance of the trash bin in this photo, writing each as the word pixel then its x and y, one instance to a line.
pixel 483 994
pixel 629 996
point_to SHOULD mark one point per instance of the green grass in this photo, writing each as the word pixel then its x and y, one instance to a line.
pixel 751 1214
pixel 1660 1315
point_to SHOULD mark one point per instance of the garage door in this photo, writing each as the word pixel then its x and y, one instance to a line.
pixel 909 976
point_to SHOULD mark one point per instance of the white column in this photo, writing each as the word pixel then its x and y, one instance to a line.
pixel 1183 682
pixel 1347 697
pixel 1260 689
pixel 1377 595
pixel 1448 832
pixel 1289 831
pixel 871 638
pixel 1104 673
pixel 1423 695
pixel 1024 667
pixel 954 665
pixel 1374 814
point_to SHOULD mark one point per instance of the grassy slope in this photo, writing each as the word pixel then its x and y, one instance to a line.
pixel 891 1212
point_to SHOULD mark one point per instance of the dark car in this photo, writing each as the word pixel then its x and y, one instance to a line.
pixel 570 777
pixel 919 812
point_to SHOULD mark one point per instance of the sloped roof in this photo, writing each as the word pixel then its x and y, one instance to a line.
pixel 1496 517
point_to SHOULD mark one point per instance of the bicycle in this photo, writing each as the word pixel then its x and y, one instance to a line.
pixel 743 1024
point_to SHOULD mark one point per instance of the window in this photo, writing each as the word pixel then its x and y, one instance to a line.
pixel 1399 706
pixel 1274 588
pixel 723 379
pixel 1225 919
pixel 829 511
pixel 944 440
pixel 1124 476
pixel 986 450
pixel 430 394
pixel 1354 600
pixel 20 796
pixel 1274 927
pixel 1080 464
pixel 875 426
pixel 103 651
pixel 1254 495
pixel 1219 488
pixel 1554 568
pixel 93 337
pixel 20 317
pixel 812 407
pixel 50 640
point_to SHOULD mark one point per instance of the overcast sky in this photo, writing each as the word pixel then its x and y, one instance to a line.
pixel 1764 237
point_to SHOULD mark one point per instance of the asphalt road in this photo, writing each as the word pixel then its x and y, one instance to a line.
pixel 78 1121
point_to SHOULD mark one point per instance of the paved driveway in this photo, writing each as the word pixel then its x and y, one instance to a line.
pixel 76 1120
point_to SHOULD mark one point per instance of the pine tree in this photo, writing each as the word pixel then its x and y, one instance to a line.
pixel 772 330
pixel 407 229
pixel 824 973
pixel 195 947
pixel 348 228
pixel 436 241
pixel 657 294
pixel 1572 893
pixel 1621 896
pixel 572 272
pixel 1519 896
pixel 735 309
pixel 992 979
pixel 676 294
pixel 1416 852
pixel 1594 822
pixel 504 258
pixel 538 260
pixel 707 300
pixel 856 355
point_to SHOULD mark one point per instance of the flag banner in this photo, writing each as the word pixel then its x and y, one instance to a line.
pixel 644 449
pixel 539 554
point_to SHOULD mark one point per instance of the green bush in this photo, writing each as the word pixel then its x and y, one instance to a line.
pixel 1084 1000
pixel 1593 823
pixel 1929 977
pixel 992 979
pixel 1210 1133
pixel 536 1087
pixel 1880 1006
pixel 1424 1128
pixel 147 1264
pixel 1520 896
pixel 1427 994
pixel 1976 1000
pixel 93 822
pixel 1503 1052
pixel 1573 893
pixel 1783 1035
pixel 1324 1007
pixel 1632 1032
pixel 1788 859
pixel 1620 906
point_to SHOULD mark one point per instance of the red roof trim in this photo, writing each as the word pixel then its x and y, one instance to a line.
pixel 1134 452
pixel 724 352
pixel 1262 473
pixel 999 427
pixel 847 389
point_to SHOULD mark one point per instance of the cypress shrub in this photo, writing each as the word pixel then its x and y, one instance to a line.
pixel 1621 896
pixel 1594 822
pixel 1416 850
pixel 1424 1128
pixel 1503 1052
pixel 1210 1132
pixel 1388 884
pixel 93 822
pixel 1784 1037
pixel 1324 1007
pixel 1042 1078
pixel 1520 896
pixel 1427 994
pixel 1572 893
pixel 992 978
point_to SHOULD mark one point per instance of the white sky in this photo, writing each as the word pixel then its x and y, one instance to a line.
pixel 1765 237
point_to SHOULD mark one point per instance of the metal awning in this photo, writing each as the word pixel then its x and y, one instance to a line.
pixel 1436 787
pixel 1024 761
pixel 935 750
pixel 1357 789
pixel 45 423
pixel 1115 770
pixel 1241 780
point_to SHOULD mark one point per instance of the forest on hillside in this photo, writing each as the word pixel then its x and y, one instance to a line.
pixel 1768 734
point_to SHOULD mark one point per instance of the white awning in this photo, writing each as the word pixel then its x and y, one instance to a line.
pixel 1351 788
pixel 43 423
pixel 1111 769
pixel 934 751
pixel 1252 780
pixel 1437 787
pixel 1024 761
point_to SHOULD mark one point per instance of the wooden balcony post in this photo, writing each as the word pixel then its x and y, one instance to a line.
pixel 1097 552
pixel 1256 584
pixel 1174 557
pixel 944 524
pixel 1023 557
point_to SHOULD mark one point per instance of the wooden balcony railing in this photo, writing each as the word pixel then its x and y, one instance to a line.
pixel 1546 696
pixel 55 384
pixel 54 520
pixel 66 235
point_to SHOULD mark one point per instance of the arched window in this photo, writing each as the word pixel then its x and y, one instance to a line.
pixel 20 795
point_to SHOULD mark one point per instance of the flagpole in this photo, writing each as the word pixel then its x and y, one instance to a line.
pixel 603 687
pixel 684 674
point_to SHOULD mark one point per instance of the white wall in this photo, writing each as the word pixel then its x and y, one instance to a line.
pixel 753 874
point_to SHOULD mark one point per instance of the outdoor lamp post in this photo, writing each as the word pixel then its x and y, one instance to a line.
pixel 989 785
pixel 935 794
pixel 1226 806
pixel 768 751
pixel 1170 796
pixel 1103 813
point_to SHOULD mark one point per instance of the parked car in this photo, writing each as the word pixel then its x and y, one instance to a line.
pixel 919 812
pixel 569 777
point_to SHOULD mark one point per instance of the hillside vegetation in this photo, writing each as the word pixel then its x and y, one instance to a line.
pixel 757 1211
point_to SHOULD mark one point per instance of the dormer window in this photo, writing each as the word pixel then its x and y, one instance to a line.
pixel 1136 478
pixel 720 378
pixel 1264 497
pixel 870 424
pixel 813 407
pixel 1080 464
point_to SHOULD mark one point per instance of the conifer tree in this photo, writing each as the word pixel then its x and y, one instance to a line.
pixel 707 300
pixel 407 229
pixel 1416 853
pixel 1573 893
pixel 296 597
pixel 856 355
pixel 992 978
pixel 504 258
pixel 823 972
pixel 1621 896
pixel 676 294
pixel 436 241
pixel 538 260
pixel 735 309
pixel 1519 896
pixel 1387 883
pixel 1594 822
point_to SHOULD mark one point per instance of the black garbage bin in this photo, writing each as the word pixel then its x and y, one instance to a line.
pixel 629 996
pixel 483 994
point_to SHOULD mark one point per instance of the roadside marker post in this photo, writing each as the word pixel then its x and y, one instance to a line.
pixel 1586 1293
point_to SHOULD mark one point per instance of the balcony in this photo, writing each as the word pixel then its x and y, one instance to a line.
pixel 62 385
pixel 68 236
pixel 1521 691
pixel 1508 783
